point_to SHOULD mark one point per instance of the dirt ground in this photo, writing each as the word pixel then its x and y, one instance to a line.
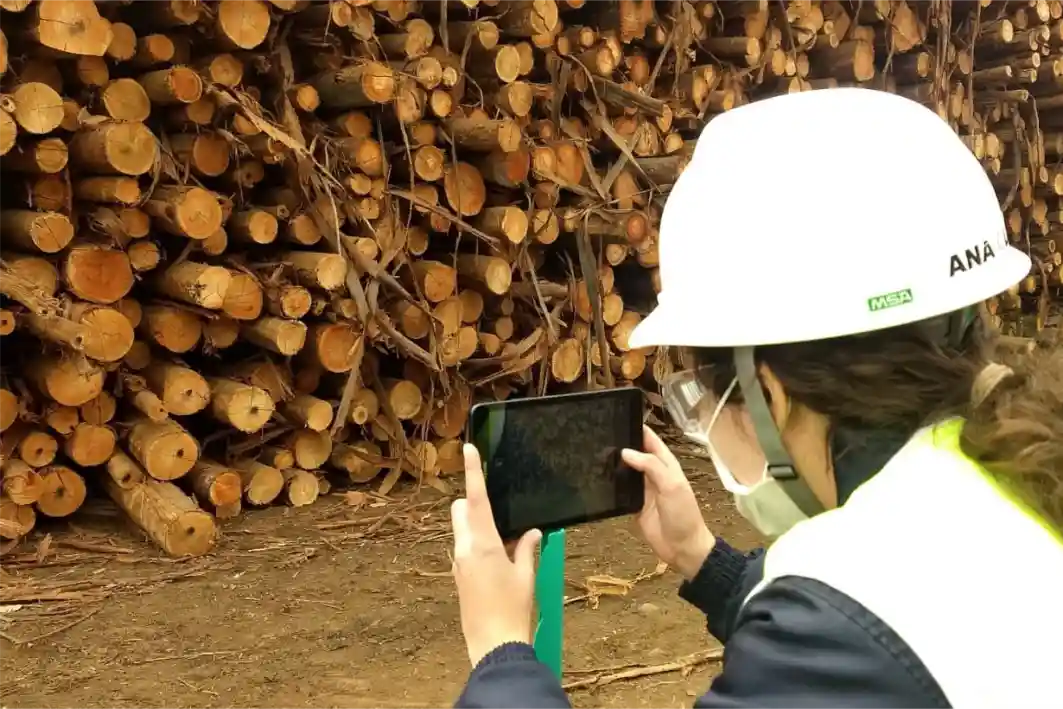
pixel 331 605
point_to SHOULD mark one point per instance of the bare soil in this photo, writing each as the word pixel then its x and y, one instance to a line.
pixel 331 605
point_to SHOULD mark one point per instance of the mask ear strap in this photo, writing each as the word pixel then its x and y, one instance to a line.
pixel 780 465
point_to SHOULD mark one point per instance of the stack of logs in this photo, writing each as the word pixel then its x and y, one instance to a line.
pixel 249 246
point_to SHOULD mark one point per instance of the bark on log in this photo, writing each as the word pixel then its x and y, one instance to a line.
pixel 170 517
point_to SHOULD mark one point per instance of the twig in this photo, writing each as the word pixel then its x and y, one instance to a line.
pixel 190 656
pixel 56 631
pixel 435 209
pixel 93 546
pixel 683 663
pixel 592 280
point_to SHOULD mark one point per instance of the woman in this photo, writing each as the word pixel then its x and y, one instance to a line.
pixel 843 385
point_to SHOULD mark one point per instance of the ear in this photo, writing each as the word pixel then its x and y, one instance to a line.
pixel 778 400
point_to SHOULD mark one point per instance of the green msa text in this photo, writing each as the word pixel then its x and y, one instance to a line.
pixel 889 300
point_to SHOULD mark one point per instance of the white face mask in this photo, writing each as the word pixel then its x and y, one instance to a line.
pixel 765 504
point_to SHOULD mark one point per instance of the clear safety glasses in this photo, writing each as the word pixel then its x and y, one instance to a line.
pixel 726 431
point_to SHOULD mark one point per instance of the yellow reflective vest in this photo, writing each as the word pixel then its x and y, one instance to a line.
pixel 963 572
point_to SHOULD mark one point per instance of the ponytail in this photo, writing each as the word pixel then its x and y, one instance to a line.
pixel 1014 427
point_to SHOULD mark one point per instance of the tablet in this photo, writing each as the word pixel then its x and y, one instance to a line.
pixel 554 462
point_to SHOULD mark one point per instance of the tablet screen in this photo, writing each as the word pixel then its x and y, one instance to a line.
pixel 555 462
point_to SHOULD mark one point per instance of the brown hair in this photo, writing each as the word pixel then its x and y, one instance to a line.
pixel 898 379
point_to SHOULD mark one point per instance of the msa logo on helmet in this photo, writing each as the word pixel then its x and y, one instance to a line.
pixel 975 256
pixel 889 300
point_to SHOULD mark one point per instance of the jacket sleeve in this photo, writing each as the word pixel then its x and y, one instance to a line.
pixel 801 643
pixel 725 579
pixel 511 676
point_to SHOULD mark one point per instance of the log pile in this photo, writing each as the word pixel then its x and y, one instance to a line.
pixel 251 248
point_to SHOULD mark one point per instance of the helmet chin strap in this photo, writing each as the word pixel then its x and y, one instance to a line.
pixel 780 466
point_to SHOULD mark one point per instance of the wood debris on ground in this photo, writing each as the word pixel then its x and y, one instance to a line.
pixel 588 679
pixel 254 248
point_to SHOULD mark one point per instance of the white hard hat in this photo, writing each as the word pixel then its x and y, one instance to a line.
pixel 822 214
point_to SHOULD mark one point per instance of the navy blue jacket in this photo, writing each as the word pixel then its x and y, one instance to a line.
pixel 797 643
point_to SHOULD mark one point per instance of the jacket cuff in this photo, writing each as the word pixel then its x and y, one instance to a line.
pixel 717 582
pixel 506 652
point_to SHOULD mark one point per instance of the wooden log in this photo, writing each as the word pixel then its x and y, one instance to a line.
pixel 113 147
pixel 437 281
pixel 45 156
pixel 90 444
pixel 301 229
pixel 70 380
pixel 317 270
pixel 38 108
pixel 124 100
pixel 361 460
pixel 309 411
pixel 310 448
pixel 182 390
pixel 9 408
pixel 464 188
pixel 47 232
pixel 276 457
pixel 124 471
pixel 301 488
pixel 285 337
pixel 16 521
pixel 220 333
pixel 50 193
pixel 242 24
pixel 170 517
pixel 21 483
pixel 103 334
pixel 254 226
pixel 36 448
pixel 108 190
pixel 192 212
pixel 333 347
pixel 244 407
pixel 364 407
pixel 71 26
pixel 485 135
pixel 404 397
pixel 215 484
pixel 123 46
pixel 261 483
pixel 288 301
pixel 493 272
pixel 357 86
pixel 206 153
pixel 100 410
pixel 97 274
pixel 224 69
pixel 63 491
pixel 8 132
pixel 529 18
pixel 412 42
pixel 195 283
pixel 243 297
pixel 164 449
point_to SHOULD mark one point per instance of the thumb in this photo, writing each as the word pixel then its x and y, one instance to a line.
pixel 524 555
pixel 655 446
pixel 656 472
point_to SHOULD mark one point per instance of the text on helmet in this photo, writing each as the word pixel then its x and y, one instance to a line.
pixel 974 256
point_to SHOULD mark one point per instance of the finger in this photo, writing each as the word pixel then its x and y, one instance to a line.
pixel 459 523
pixel 657 474
pixel 480 518
pixel 475 485
pixel 524 556
pixel 655 446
